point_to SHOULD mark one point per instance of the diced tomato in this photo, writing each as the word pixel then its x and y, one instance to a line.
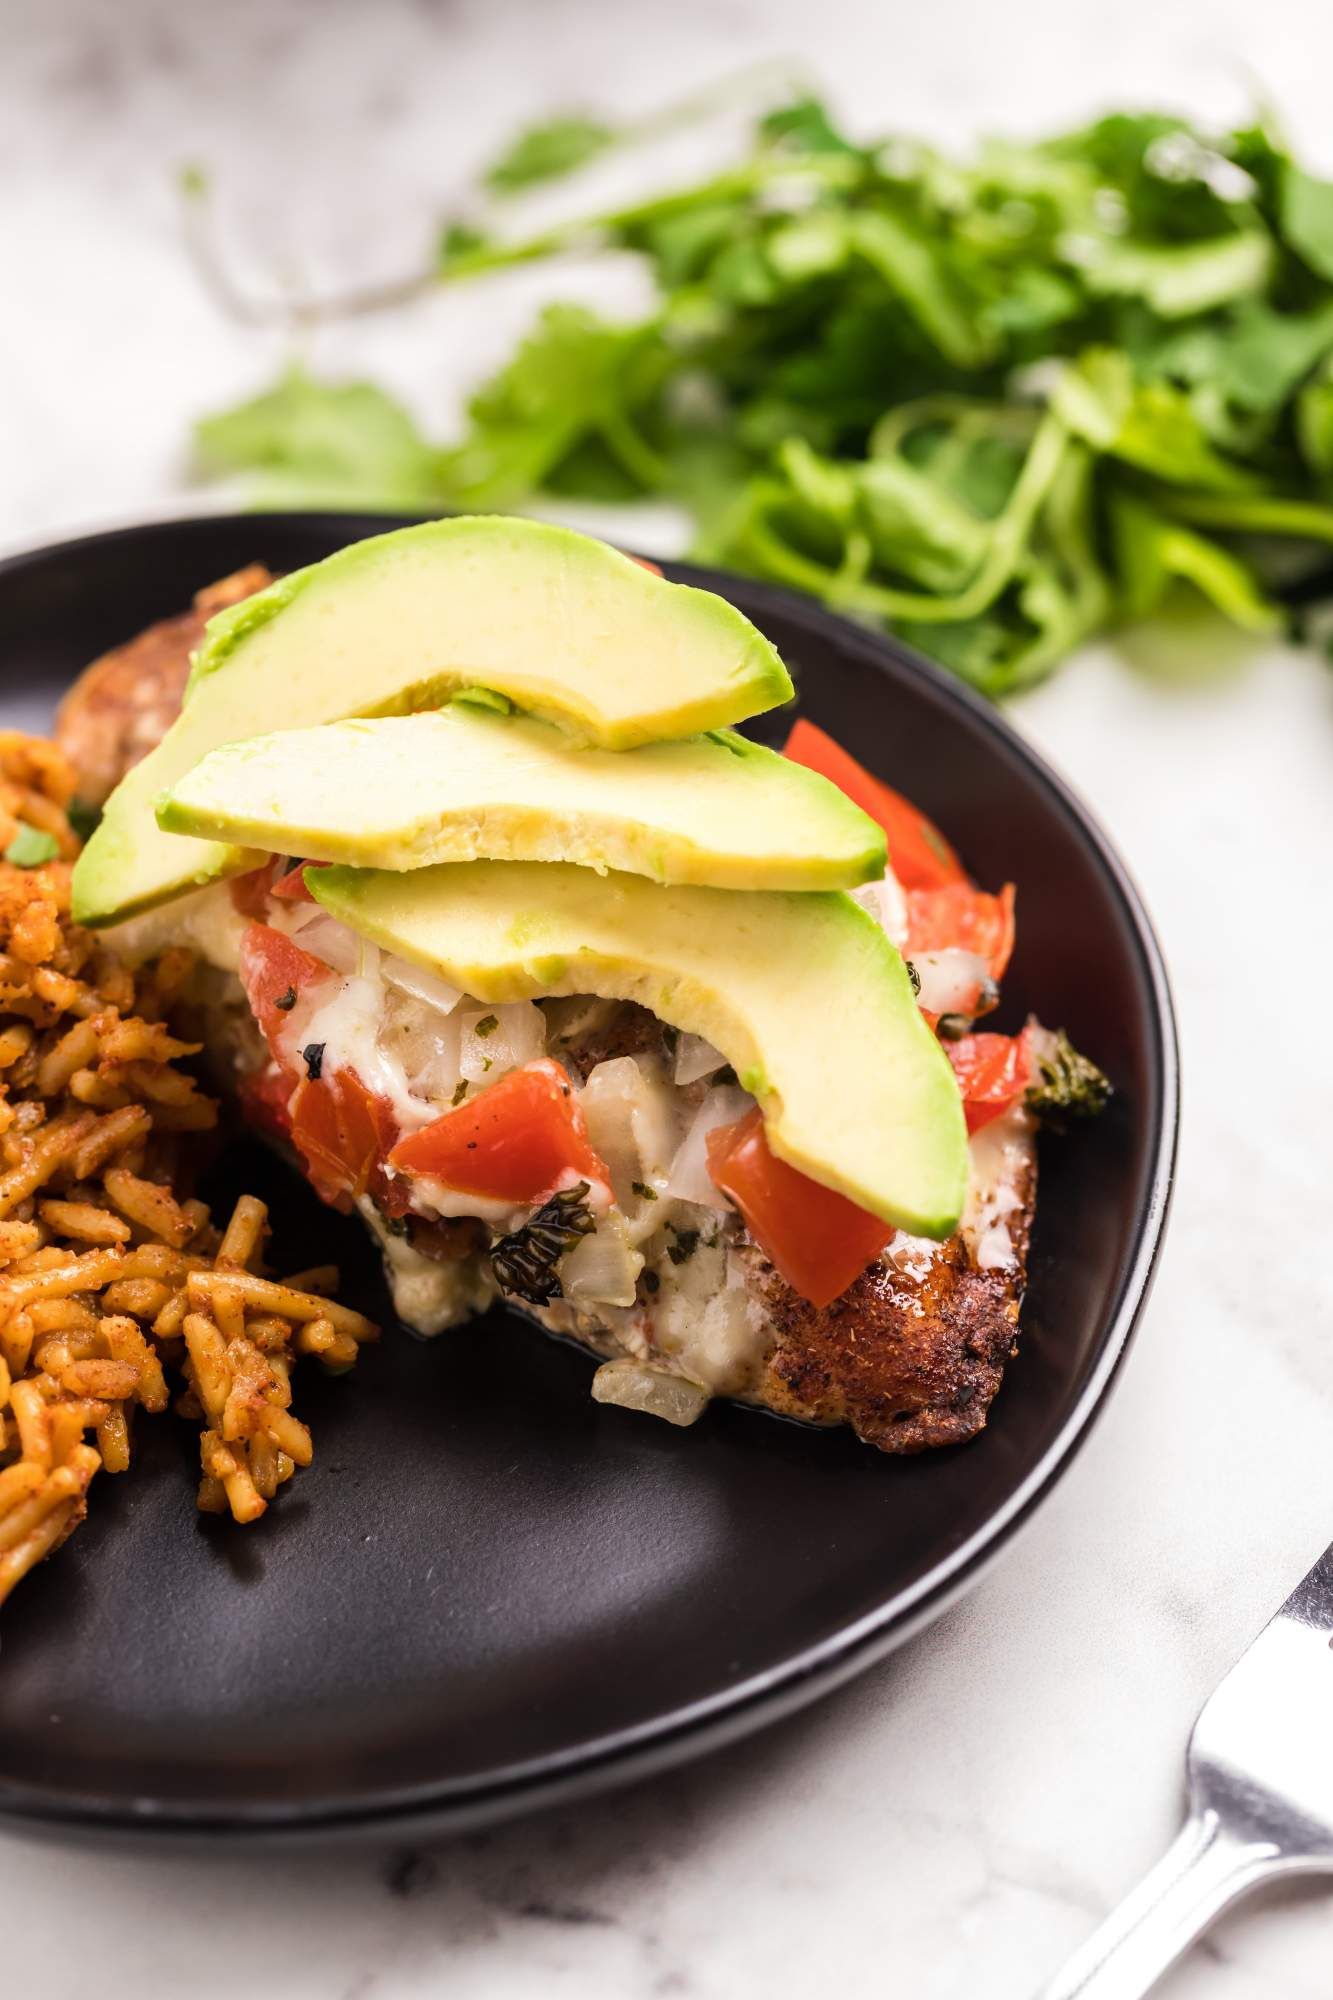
pixel 291 887
pixel 250 893
pixel 517 1141
pixel 993 1073
pixel 956 915
pixel 820 1241
pixel 344 1133
pixel 919 855
pixel 271 968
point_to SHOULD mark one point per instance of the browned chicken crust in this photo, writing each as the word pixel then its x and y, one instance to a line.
pixel 909 1357
pixel 121 706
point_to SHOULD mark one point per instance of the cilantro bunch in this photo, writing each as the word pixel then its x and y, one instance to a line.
pixel 994 405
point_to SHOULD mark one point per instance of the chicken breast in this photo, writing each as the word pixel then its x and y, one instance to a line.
pixel 123 704
pixel 911 1356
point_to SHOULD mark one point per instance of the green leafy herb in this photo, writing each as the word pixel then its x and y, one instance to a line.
pixel 30 848
pixel 1070 1085
pixel 995 403
pixel 643 1191
pixel 345 444
pixel 525 1261
pixel 1307 218
pixel 548 151
pixel 487 1025
pixel 460 1092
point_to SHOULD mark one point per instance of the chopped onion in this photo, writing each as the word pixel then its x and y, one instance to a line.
pixel 601 1269
pixel 695 1058
pixel 887 905
pixel 425 1043
pixel 498 1039
pixel 636 1385
pixel 632 1124
pixel 689 1178
pixel 319 933
pixel 425 986
pixel 951 981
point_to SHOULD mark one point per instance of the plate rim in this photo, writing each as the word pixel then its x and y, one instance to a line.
pixel 637 1750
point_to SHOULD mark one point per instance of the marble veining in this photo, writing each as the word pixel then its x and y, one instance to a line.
pixel 954 1822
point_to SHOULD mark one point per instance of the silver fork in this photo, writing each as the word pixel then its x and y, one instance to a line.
pixel 1260 1783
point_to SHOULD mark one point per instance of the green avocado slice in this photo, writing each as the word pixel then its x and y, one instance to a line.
pixel 555 622
pixel 802 993
pixel 464 784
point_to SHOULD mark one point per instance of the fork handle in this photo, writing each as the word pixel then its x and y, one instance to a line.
pixel 1203 1870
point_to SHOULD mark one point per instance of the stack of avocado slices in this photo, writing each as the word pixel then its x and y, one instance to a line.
pixel 514 747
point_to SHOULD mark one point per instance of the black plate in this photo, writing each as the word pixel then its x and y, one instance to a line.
pixel 489 1591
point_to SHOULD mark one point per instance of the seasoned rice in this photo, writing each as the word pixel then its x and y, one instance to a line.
pixel 115 1282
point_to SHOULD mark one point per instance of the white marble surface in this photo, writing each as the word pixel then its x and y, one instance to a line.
pixel 953 1823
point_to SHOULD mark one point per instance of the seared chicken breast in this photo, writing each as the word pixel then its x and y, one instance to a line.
pixel 910 1356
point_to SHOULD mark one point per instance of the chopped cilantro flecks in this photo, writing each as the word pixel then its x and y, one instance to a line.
pixel 684 1247
pixel 30 848
pixel 487 1025
pixel 460 1091
pixel 644 1192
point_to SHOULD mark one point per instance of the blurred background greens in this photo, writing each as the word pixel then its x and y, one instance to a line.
pixel 995 403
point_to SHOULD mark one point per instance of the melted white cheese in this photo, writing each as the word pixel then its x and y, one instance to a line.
pixel 1001 1157
pixel 429 1295
pixel 206 922
pixel 407 1043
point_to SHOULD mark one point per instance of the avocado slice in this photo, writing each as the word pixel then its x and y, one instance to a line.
pixel 803 994
pixel 552 620
pixel 464 783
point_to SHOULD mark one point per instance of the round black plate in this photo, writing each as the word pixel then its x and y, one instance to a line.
pixel 488 1590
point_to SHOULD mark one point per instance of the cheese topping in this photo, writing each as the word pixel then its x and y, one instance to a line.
pixel 418 1042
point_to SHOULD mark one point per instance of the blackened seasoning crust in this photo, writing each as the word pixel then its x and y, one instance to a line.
pixel 909 1358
